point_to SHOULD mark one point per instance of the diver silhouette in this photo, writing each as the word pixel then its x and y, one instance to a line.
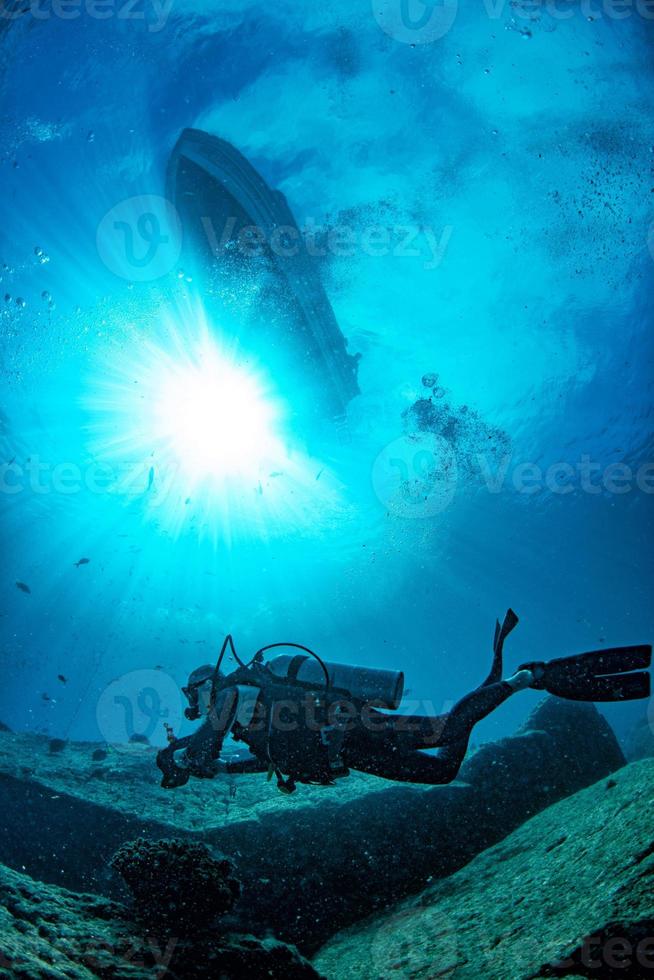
pixel 309 721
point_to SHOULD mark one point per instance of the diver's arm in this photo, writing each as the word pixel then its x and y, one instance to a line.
pixel 202 749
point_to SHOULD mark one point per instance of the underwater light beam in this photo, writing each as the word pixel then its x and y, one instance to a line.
pixel 213 417
pixel 207 434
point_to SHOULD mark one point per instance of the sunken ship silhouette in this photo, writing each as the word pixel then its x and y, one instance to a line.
pixel 238 230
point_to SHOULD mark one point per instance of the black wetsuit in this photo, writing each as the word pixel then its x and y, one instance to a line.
pixel 314 733
pixel 304 734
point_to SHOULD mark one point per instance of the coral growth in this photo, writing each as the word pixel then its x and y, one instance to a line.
pixel 177 885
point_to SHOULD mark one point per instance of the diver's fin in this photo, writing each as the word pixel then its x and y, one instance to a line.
pixel 616 674
pixel 501 633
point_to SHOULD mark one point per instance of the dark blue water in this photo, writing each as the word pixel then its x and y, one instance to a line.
pixel 494 186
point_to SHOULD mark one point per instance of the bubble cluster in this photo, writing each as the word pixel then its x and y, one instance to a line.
pixel 41 255
pixel 463 430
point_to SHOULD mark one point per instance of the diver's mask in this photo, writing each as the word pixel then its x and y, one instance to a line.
pixel 198 691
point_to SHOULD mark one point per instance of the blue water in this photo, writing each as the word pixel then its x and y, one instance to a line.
pixel 524 146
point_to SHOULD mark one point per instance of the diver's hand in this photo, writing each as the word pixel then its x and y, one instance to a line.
pixel 172 775
pixel 173 779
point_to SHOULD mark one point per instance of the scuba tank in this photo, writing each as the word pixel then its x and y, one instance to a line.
pixel 366 684
pixel 306 753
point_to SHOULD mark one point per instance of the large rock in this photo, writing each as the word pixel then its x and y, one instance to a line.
pixel 568 894
pixel 640 742
pixel 48 932
pixel 309 864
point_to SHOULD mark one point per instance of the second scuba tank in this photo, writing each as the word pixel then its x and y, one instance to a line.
pixel 368 684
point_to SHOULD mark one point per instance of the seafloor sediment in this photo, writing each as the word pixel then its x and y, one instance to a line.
pixel 310 864
pixel 49 933
pixel 570 893
pixel 566 894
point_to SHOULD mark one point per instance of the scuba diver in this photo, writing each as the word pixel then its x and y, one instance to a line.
pixel 309 721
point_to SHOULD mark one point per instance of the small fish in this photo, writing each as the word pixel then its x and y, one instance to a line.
pixel 320 473
pixel 82 561
pixel 46 697
pixel 23 588
pixel 150 477
pixel 60 677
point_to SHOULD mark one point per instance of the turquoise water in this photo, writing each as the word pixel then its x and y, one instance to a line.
pixel 494 184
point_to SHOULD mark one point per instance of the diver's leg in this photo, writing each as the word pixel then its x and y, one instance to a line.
pixel 390 746
pixel 424 731
pixel 390 762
